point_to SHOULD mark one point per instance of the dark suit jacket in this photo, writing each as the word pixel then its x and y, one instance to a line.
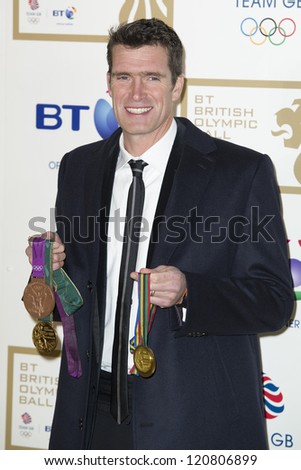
pixel 220 224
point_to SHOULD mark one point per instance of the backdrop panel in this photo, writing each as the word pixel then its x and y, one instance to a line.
pixel 243 84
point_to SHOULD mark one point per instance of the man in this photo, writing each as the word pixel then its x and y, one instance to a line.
pixel 217 259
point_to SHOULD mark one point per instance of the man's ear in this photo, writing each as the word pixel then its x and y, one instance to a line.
pixel 109 84
pixel 178 88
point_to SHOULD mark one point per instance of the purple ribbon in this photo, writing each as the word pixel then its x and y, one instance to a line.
pixel 38 251
pixel 71 346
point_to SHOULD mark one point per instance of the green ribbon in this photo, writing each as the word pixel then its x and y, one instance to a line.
pixel 68 293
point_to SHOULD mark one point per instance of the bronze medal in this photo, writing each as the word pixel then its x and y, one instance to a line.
pixel 38 298
pixel 44 337
pixel 145 361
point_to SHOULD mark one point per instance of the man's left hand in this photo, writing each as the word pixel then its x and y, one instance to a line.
pixel 167 285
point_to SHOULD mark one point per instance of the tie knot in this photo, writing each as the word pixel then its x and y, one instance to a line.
pixel 137 167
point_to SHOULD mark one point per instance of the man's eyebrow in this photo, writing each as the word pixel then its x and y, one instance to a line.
pixel 143 74
pixel 156 74
pixel 119 73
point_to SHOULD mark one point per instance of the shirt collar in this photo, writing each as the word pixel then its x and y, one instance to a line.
pixel 157 155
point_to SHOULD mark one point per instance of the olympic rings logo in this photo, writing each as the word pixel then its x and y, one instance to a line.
pixel 33 19
pixel 38 267
pixel 25 434
pixel 268 29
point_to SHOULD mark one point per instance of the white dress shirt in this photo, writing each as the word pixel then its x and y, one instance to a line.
pixel 157 158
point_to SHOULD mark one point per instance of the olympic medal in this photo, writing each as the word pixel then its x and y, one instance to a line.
pixel 145 361
pixel 38 298
pixel 44 337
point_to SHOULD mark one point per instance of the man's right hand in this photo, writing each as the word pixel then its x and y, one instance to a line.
pixel 59 254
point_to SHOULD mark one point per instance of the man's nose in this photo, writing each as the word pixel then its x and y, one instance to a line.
pixel 138 89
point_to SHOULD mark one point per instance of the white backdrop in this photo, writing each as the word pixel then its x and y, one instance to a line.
pixel 243 84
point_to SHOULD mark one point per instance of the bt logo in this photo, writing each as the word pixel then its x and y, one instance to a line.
pixel 296 274
pixel 69 13
pixel 295 265
pixel 104 118
pixel 52 117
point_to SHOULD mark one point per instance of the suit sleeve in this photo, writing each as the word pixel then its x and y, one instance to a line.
pixel 257 296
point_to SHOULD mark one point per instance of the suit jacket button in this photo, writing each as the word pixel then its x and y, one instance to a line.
pixel 90 286
pixel 81 424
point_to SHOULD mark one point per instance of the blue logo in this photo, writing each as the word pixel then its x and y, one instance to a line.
pixel 70 12
pixel 51 116
pixel 295 265
pixel 104 118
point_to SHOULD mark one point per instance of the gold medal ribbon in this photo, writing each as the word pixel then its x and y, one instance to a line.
pixel 44 335
pixel 144 358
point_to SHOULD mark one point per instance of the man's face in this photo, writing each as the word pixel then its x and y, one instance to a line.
pixel 142 92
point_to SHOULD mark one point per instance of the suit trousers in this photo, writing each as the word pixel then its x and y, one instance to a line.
pixel 107 434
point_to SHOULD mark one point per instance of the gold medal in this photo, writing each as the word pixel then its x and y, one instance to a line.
pixel 38 298
pixel 144 357
pixel 44 337
pixel 145 361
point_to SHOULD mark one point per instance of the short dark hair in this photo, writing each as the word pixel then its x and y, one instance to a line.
pixel 149 32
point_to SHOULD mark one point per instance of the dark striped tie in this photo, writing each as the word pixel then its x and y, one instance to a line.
pixel 119 399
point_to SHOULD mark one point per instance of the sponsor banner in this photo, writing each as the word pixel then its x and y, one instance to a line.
pixel 280 389
pixel 265 115
pixel 31 394
pixel 83 21
pixel 243 39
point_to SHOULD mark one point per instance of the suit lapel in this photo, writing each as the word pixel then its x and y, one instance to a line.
pixel 186 178
pixel 172 166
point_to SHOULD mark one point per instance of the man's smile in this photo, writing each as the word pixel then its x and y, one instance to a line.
pixel 138 110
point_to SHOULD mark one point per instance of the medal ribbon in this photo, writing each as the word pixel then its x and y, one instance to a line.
pixel 39 256
pixel 145 316
pixel 71 346
pixel 47 269
pixel 38 250
pixel 66 295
